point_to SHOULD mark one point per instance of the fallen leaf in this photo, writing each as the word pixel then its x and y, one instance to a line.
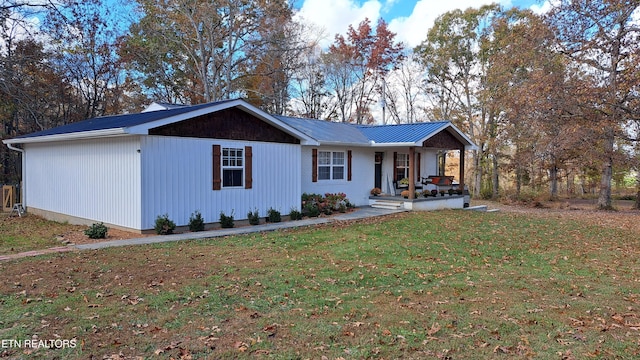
pixel 434 329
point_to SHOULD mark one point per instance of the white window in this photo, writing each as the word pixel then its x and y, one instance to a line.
pixel 331 165
pixel 232 167
pixel 402 166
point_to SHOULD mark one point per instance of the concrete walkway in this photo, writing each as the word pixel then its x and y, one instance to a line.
pixel 358 213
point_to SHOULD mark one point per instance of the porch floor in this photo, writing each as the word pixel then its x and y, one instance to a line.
pixel 421 203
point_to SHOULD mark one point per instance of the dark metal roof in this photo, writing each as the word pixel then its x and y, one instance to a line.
pixel 117 121
pixel 327 131
pixel 324 132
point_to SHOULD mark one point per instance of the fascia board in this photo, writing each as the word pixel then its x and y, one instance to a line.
pixel 395 144
pixel 69 136
pixel 339 143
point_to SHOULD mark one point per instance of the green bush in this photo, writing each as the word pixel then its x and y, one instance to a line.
pixel 254 217
pixel 96 231
pixel 226 222
pixel 273 215
pixel 164 225
pixel 196 222
pixel 325 204
pixel 311 210
pixel 294 214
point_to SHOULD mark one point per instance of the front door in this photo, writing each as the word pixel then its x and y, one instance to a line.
pixel 378 170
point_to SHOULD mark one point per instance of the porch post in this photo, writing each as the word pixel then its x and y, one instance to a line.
pixel 412 176
pixel 461 181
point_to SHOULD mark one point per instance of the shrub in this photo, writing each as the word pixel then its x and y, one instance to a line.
pixel 96 231
pixel 294 214
pixel 254 217
pixel 164 225
pixel 326 204
pixel 273 215
pixel 196 222
pixel 226 222
pixel 311 210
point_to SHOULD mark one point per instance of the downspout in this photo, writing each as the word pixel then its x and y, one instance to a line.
pixel 23 193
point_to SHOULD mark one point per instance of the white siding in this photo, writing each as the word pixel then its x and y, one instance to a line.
pixel 362 180
pixel 97 180
pixel 429 161
pixel 177 179
pixel 364 168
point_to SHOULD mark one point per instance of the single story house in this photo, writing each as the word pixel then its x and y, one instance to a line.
pixel 226 156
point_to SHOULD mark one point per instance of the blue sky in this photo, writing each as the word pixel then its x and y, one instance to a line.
pixel 409 19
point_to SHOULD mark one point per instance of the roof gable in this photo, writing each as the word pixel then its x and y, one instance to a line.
pixel 114 121
pixel 231 123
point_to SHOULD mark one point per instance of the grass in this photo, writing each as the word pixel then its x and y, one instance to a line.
pixel 449 284
pixel 19 234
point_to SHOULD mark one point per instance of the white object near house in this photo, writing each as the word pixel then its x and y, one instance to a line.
pixel 227 156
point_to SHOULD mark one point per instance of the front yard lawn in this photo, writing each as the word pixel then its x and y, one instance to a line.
pixel 449 284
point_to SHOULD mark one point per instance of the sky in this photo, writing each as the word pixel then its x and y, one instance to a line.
pixel 409 19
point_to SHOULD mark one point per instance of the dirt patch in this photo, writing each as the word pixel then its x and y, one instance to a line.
pixel 78 237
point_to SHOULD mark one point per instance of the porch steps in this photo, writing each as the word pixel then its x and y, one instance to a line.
pixel 389 205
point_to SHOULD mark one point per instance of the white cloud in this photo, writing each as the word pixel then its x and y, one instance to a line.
pixel 541 9
pixel 335 16
pixel 412 30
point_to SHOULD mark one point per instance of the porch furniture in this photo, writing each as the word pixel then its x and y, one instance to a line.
pixel 441 182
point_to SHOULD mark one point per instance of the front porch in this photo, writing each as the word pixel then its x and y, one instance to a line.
pixel 430 203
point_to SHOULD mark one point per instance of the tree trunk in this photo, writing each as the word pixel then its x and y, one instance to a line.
pixel 518 180
pixel 495 179
pixel 553 179
pixel 604 199
pixel 477 163
pixel 636 205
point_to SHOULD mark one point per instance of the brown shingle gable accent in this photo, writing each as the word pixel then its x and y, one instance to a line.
pixel 443 140
pixel 232 124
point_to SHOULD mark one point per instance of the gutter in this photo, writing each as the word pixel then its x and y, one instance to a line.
pixel 10 146
pixel 23 194
pixel 70 136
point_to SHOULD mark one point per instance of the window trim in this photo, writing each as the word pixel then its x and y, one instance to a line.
pixel 401 164
pixel 232 157
pixel 332 165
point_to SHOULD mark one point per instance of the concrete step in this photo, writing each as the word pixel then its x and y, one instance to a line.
pixel 389 205
pixel 477 208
